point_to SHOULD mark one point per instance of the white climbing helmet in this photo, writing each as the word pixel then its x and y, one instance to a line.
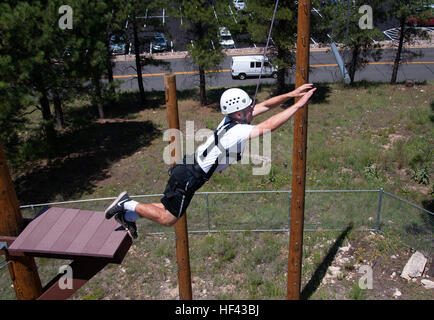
pixel 233 100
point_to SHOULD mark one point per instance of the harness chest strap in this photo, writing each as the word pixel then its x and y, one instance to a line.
pixel 217 135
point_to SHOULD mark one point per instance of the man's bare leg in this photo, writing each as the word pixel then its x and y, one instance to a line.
pixel 155 212
pixel 127 211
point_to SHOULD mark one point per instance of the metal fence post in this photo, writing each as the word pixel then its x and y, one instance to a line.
pixel 289 209
pixel 207 212
pixel 380 202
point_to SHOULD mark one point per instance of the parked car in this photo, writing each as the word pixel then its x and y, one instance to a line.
pixel 118 45
pixel 239 4
pixel 424 18
pixel 250 66
pixel 159 43
pixel 225 38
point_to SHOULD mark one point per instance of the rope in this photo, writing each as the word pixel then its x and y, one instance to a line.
pixel 334 22
pixel 341 61
pixel 347 30
pixel 265 51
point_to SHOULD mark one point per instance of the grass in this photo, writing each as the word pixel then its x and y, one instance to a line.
pixel 362 137
pixel 357 293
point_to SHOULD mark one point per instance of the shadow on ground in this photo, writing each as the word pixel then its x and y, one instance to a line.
pixel 84 156
pixel 121 106
pixel 127 103
pixel 321 271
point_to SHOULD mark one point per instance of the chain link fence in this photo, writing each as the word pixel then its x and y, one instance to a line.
pixel 259 211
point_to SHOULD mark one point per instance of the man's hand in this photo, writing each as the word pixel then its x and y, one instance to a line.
pixel 305 98
pixel 280 118
pixel 278 100
pixel 300 91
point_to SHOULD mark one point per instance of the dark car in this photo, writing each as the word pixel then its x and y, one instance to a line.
pixel 118 45
pixel 159 43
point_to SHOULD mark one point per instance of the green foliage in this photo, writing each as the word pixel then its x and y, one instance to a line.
pixel 357 293
pixel 11 119
pixel 224 248
pixel 403 10
pixel 421 176
pixel 371 171
pixel 40 63
pixel 341 21
pixel 266 252
pixel 201 23
pixel 204 27
pixel 204 55
pixel 96 295
pixel 258 21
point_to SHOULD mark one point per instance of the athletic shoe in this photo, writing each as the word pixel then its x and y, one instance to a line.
pixel 117 206
pixel 129 226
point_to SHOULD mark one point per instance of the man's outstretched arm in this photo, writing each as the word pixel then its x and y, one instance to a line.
pixel 279 100
pixel 279 119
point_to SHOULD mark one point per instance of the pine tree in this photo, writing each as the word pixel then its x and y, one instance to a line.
pixel 93 25
pixel 403 10
pixel 28 65
pixel 42 64
pixel 205 51
pixel 259 15
pixel 115 27
pixel 135 8
pixel 341 21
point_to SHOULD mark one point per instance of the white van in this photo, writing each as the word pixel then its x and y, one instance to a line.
pixel 250 66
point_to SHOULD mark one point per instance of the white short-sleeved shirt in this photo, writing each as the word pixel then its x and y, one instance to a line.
pixel 234 140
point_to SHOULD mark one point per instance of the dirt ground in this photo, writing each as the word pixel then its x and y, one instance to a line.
pixel 386 258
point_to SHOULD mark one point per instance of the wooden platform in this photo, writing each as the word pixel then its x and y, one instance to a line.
pixel 71 233
pixel 85 237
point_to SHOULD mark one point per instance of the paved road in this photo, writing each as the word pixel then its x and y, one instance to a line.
pixel 324 69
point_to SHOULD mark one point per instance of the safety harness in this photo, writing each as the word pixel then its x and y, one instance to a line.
pixel 218 134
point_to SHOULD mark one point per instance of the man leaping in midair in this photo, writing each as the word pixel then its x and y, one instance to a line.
pixel 217 153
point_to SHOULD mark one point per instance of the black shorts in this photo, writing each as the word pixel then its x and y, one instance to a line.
pixel 184 180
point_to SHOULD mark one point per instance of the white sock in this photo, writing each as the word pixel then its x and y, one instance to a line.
pixel 130 205
pixel 131 216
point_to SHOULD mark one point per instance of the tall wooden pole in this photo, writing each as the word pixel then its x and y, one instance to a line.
pixel 23 271
pixel 181 232
pixel 299 156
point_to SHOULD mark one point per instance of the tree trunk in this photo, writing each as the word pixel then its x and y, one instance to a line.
pixel 399 52
pixel 58 112
pixel 98 96
pixel 109 64
pixel 50 132
pixel 353 65
pixel 280 85
pixel 203 101
pixel 138 63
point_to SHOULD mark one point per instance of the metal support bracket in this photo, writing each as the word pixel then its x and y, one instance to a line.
pixel 3 245
pixel 4 248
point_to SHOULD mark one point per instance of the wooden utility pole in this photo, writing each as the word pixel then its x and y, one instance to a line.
pixel 181 232
pixel 299 156
pixel 23 271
